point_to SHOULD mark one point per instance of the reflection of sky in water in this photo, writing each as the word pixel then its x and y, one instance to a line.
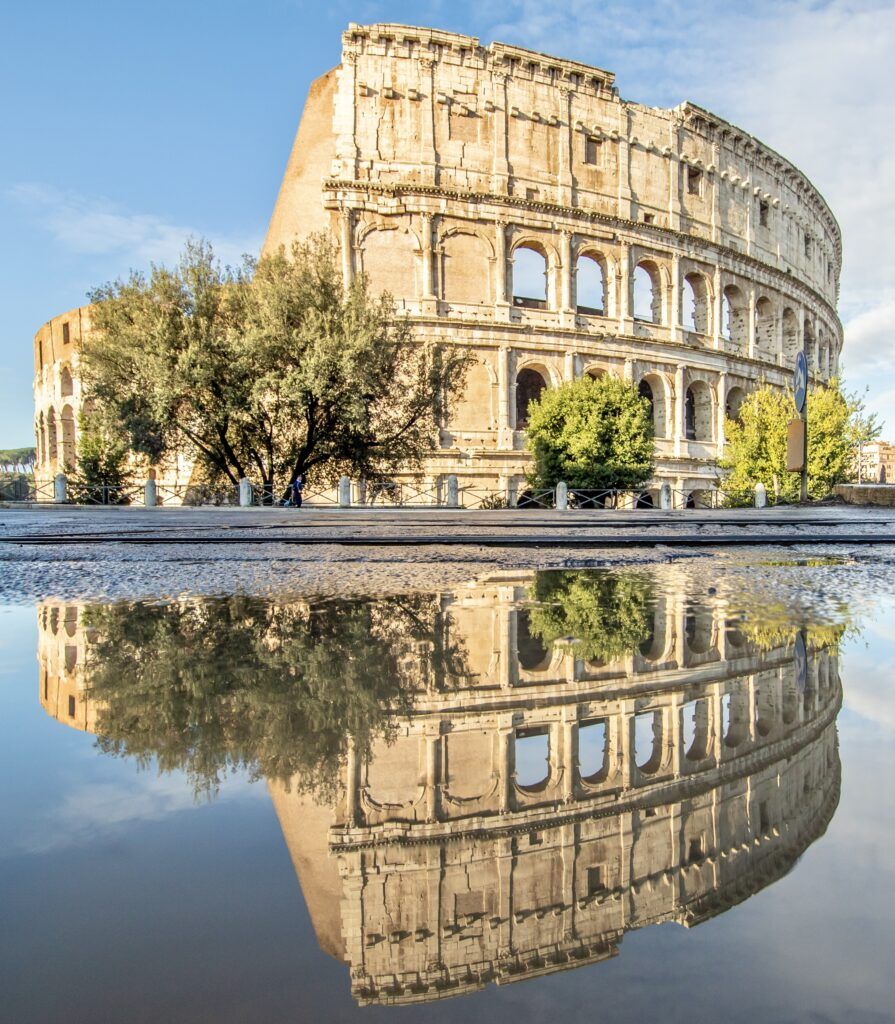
pixel 123 899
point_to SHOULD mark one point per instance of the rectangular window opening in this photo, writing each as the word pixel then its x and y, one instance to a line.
pixel 694 180
pixel 71 707
pixel 66 335
pixel 592 150
pixel 595 880
pixel 694 851
pixel 763 210
pixel 649 218
pixel 764 818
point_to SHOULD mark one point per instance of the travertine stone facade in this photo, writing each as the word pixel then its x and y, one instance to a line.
pixel 513 203
pixel 667 246
pixel 666 785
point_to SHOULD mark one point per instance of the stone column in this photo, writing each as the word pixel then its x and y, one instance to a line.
pixel 346 242
pixel 429 298
pixel 624 165
pixel 721 411
pixel 500 167
pixel 680 434
pixel 716 309
pixel 676 326
pixel 432 741
pixel 628 371
pixel 567 313
pixel 674 177
pixel 505 410
pixel 504 766
pixel 501 300
pixel 344 112
pixel 625 326
pixel 751 322
pixel 564 178
pixel 428 153
pixel 570 366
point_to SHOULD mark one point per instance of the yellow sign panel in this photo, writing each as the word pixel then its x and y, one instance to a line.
pixel 795 445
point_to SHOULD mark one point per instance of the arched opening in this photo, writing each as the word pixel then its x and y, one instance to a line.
pixel 593 750
pixel 696 304
pixel 529 386
pixel 68 436
pixel 531 653
pixel 698 412
pixel 810 348
pixel 529 278
pixel 66 384
pixel 699 631
pixel 40 431
pixel 532 757
pixel 695 729
pixel 765 342
pixel 734 403
pixel 595 372
pixel 647 293
pixel 652 389
pixel 52 438
pixel 644 500
pixel 734 318
pixel 590 286
pixel 791 340
pixel 648 741
pixel 466 259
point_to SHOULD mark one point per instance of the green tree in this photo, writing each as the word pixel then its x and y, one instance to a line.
pixel 268 372
pixel 17 460
pixel 756 443
pixel 210 686
pixel 593 434
pixel 606 613
pixel 103 470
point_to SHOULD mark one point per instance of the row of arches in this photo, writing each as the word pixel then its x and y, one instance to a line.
pixel 467 267
pixel 57 436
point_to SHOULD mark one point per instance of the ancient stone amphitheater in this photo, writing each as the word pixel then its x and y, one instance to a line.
pixel 513 203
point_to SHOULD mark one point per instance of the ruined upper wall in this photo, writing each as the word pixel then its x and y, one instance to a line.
pixel 420 107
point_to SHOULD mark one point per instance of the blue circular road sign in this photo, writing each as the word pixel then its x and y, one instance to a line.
pixel 800 382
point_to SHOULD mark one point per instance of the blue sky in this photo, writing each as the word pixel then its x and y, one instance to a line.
pixel 128 127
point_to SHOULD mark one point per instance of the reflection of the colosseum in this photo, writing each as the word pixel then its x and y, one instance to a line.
pixel 532 805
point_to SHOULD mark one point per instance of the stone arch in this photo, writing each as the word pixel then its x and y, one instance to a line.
pixel 389 260
pixel 810 346
pixel 648 741
pixel 653 387
pixel 595 371
pixel 734 315
pixel 466 261
pixel 698 411
pixel 532 264
pixel 66 384
pixel 791 341
pixel 531 758
pixel 765 329
pixel 591 293
pixel 67 419
pixel 695 312
pixel 472 410
pixel 52 436
pixel 733 402
pixel 531 382
pixel 647 292
pixel 40 433
pixel 593 750
pixel 695 731
pixel 531 653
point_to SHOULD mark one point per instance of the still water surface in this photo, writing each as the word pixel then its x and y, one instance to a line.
pixel 580 792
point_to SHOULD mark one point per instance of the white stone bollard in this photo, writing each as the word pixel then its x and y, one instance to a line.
pixel 344 492
pixel 453 492
pixel 761 496
pixel 562 496
pixel 665 502
pixel 150 494
pixel 60 489
pixel 245 493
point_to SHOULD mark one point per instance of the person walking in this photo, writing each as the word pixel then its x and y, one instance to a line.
pixel 298 485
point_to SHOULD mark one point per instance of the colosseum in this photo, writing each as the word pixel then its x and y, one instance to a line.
pixel 527 813
pixel 513 203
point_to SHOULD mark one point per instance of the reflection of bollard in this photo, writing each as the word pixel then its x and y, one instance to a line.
pixel 562 496
pixel 665 497
pixel 150 495
pixel 245 493
pixel 453 492
pixel 60 489
pixel 344 492
pixel 761 496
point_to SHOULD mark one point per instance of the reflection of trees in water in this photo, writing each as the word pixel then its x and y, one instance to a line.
pixel 607 613
pixel 212 686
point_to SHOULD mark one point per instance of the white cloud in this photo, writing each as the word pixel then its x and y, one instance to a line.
pixel 93 226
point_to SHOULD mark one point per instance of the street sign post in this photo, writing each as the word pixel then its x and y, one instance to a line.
pixel 800 393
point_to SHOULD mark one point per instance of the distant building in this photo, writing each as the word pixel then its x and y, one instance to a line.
pixel 878 463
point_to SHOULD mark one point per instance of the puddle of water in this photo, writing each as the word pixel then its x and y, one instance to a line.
pixel 242 809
